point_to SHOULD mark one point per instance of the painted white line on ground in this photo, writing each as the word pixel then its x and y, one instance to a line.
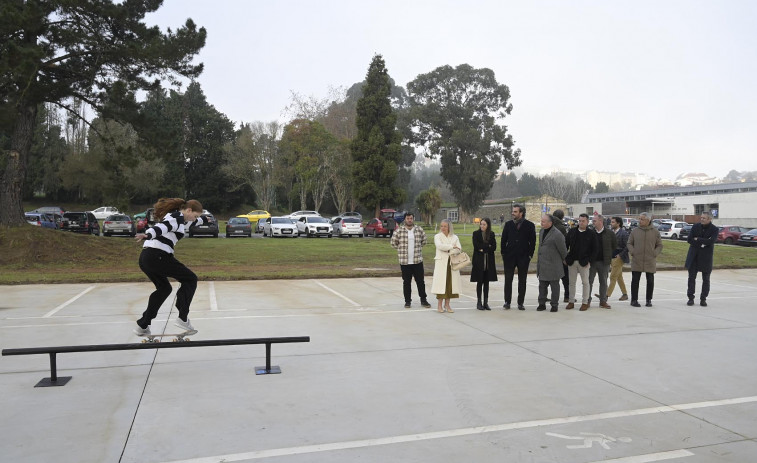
pixel 305 449
pixel 660 456
pixel 212 296
pixel 336 292
pixel 62 306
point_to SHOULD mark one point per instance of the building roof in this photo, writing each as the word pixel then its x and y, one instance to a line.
pixel 638 195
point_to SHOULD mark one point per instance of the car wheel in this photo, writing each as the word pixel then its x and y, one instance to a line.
pixel 728 241
pixel 674 237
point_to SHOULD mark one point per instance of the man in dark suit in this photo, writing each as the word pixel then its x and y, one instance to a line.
pixel 517 248
pixel 702 238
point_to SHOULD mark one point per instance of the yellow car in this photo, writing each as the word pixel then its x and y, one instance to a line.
pixel 254 216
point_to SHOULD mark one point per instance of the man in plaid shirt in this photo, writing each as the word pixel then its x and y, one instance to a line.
pixel 409 240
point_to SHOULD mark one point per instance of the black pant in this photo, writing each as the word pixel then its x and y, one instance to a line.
pixel 482 286
pixel 635 278
pixel 158 266
pixel 546 285
pixel 693 285
pixel 566 281
pixel 409 272
pixel 522 267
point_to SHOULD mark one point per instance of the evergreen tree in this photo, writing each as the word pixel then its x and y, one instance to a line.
pixel 376 150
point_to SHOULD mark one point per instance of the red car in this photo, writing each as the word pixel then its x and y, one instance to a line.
pixel 729 234
pixel 375 228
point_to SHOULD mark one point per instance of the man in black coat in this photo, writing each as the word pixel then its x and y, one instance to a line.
pixel 702 238
pixel 517 248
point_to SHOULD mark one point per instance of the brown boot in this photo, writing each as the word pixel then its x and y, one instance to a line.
pixel 584 307
pixel 569 306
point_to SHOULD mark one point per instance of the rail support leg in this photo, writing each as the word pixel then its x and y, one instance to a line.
pixel 267 369
pixel 53 380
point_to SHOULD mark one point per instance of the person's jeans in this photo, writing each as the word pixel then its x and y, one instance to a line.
pixel 599 267
pixel 635 278
pixel 158 266
pixel 409 272
pixel 691 292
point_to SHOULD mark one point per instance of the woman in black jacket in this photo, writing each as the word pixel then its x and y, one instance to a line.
pixel 484 269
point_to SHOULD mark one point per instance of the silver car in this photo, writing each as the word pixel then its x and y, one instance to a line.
pixel 119 224
pixel 347 226
pixel 279 226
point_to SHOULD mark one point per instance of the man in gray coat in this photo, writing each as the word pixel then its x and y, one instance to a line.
pixel 549 267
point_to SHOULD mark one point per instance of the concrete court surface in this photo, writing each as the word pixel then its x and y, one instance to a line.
pixel 379 383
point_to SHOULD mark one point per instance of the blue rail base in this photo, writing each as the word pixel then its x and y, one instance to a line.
pixel 50 382
pixel 274 370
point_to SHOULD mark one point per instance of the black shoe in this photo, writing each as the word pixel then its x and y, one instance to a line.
pixel 520 307
pixel 541 308
pixel 649 303
pixel 703 303
pixel 479 306
pixel 506 306
pixel 553 309
pixel 425 304
pixel 566 299
pixel 407 305
pixel 691 301
pixel 635 304
pixel 486 306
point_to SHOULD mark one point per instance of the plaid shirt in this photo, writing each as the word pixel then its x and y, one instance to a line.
pixel 399 242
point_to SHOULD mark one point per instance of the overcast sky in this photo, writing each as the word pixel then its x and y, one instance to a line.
pixel 652 86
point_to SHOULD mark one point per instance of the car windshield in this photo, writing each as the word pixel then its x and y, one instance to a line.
pixel 351 220
pixel 120 218
pixel 751 232
pixel 317 220
pixel 74 215
pixel 238 220
pixel 281 220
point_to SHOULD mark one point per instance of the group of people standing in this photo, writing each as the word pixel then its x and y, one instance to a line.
pixel 591 253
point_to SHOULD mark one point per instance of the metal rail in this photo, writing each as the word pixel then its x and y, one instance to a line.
pixel 54 380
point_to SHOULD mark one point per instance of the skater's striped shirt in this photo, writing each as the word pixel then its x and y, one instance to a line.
pixel 164 235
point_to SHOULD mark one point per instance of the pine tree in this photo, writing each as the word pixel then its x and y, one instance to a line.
pixel 376 150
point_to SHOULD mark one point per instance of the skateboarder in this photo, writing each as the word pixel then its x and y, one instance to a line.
pixel 173 216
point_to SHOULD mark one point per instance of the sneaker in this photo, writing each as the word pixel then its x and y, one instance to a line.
pixel 425 304
pixel 623 297
pixel 186 326
pixel 139 331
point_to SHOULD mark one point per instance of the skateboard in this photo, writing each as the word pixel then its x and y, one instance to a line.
pixel 179 337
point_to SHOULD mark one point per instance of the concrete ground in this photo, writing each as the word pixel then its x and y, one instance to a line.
pixel 381 383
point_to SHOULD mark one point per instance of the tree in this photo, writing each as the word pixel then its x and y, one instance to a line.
pixel 376 150
pixel 98 52
pixel 601 187
pixel 428 202
pixel 458 117
pixel 529 185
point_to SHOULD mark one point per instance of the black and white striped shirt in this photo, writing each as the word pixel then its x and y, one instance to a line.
pixel 164 235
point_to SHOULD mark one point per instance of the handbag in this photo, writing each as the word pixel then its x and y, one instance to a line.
pixel 459 261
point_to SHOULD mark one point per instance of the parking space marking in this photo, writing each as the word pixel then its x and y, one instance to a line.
pixel 62 306
pixel 307 449
pixel 212 296
pixel 649 457
pixel 336 292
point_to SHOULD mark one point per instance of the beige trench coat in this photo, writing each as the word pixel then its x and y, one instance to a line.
pixel 444 245
pixel 644 245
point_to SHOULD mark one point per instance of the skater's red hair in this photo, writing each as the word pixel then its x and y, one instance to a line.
pixel 166 205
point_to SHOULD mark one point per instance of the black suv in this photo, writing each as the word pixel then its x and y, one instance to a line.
pixel 81 222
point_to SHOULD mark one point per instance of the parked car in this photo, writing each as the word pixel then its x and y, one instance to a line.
pixel 238 226
pixel 209 226
pixel 50 210
pixel 671 229
pixel 729 234
pixel 748 239
pixel 297 214
pixel 102 213
pixel 376 227
pixel 119 224
pixel 40 220
pixel 279 226
pixel 145 220
pixel 685 232
pixel 347 226
pixel 351 214
pixel 254 216
pixel 311 226
pixel 81 222
pixel 259 225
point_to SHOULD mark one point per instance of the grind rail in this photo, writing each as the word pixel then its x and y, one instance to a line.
pixel 54 380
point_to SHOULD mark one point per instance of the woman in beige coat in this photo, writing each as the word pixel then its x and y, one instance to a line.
pixel 446 282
